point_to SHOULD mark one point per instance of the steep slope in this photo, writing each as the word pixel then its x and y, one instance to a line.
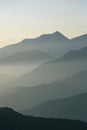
pixel 11 120
pixel 70 108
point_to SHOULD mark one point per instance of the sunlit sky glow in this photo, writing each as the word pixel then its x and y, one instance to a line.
pixel 20 19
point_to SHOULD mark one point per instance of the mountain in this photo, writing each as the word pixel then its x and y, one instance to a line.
pixel 11 120
pixel 28 97
pixel 54 44
pixel 70 108
pixel 26 57
pixel 75 55
pixel 79 80
pixel 71 63
pixel 79 42
pixel 13 60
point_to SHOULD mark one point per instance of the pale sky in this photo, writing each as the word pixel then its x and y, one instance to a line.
pixel 20 19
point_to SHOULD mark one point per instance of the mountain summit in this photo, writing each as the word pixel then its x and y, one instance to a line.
pixel 54 36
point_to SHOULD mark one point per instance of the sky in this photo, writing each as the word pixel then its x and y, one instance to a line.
pixel 21 19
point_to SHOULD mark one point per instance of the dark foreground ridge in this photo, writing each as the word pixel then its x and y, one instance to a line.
pixel 11 120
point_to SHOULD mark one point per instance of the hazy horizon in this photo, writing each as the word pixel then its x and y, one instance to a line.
pixel 21 19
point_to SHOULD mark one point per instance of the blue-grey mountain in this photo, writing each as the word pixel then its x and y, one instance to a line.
pixel 70 108
pixel 70 64
pixel 27 97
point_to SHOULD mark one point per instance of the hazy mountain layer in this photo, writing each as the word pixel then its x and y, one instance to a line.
pixel 54 44
pixel 79 55
pixel 15 58
pixel 69 108
pixel 27 97
pixel 70 64
pixel 79 42
pixel 26 57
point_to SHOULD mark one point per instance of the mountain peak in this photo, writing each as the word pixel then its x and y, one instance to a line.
pixel 56 33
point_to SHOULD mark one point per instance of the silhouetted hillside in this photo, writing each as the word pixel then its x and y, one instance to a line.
pixel 11 120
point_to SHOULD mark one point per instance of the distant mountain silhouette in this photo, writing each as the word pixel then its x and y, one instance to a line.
pixel 26 57
pixel 54 44
pixel 70 108
pixel 11 120
pixel 27 97
pixel 79 42
pixel 46 73
pixel 49 37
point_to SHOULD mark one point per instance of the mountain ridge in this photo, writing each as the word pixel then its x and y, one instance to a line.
pixel 11 120
pixel 27 56
pixel 70 108
pixel 70 86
